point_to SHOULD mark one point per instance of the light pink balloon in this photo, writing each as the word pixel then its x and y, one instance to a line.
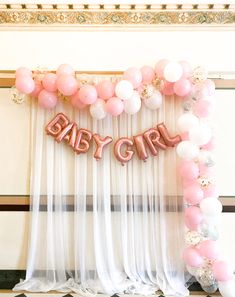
pixel 208 249
pixel 67 84
pixel 134 76
pixel 87 94
pixel 75 101
pixel 210 145
pixel 222 271
pixel 186 182
pixel 25 84
pixel 189 170
pixel 193 217
pixel 49 82
pixel 47 100
pixel 114 106
pixel 184 136
pixel 105 89
pixel 182 87
pixel 37 89
pixel 193 195
pixel 159 67
pixel 65 69
pixel 202 108
pixel 187 69
pixel 205 170
pixel 192 257
pixel 210 86
pixel 23 71
pixel 211 191
pixel 148 74
pixel 167 88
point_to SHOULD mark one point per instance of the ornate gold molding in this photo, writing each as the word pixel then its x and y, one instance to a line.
pixel 155 16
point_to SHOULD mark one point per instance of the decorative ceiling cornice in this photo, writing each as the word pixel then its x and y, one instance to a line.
pixel 155 16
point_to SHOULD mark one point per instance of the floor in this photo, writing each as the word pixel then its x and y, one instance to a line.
pixel 8 293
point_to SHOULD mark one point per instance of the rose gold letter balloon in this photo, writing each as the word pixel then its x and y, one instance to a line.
pixel 152 137
pixel 123 158
pixel 71 136
pixel 64 132
pixel 169 141
pixel 82 143
pixel 100 143
pixel 55 126
pixel 140 147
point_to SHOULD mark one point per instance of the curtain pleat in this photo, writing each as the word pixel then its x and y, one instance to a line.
pixel 98 226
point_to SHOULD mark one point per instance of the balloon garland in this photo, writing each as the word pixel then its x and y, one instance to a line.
pixel 148 86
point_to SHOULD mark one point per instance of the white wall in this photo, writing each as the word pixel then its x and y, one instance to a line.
pixel 104 51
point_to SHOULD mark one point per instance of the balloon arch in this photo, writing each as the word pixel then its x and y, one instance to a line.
pixel 194 142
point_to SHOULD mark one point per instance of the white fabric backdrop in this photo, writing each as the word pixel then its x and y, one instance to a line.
pixel 99 227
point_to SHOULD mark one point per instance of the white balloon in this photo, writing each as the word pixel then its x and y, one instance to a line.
pixel 173 71
pixel 187 121
pixel 133 105
pixel 211 206
pixel 227 289
pixel 212 220
pixel 206 157
pixel 154 101
pixel 201 134
pixel 187 150
pixel 97 109
pixel 124 89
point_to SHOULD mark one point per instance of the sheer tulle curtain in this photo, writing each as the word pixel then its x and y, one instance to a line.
pixel 99 227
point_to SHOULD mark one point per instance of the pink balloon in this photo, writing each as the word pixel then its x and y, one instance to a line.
pixel 87 94
pixel 211 191
pixel 75 101
pixel 189 182
pixel 159 68
pixel 148 74
pixel 193 217
pixel 203 108
pixel 37 89
pixel 205 170
pixel 25 84
pixel 187 69
pixel 208 249
pixel 193 195
pixel 65 69
pixel 189 170
pixel 192 257
pixel 222 271
pixel 210 87
pixel 182 87
pixel 67 84
pixel 210 145
pixel 134 76
pixel 47 100
pixel 167 88
pixel 105 89
pixel 22 71
pixel 185 136
pixel 114 106
pixel 49 82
